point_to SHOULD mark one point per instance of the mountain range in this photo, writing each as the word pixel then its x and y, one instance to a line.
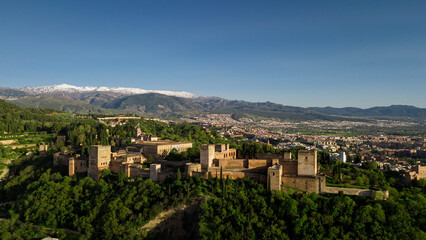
pixel 66 88
pixel 105 100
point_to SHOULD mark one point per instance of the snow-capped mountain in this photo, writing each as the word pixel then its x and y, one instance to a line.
pixel 66 88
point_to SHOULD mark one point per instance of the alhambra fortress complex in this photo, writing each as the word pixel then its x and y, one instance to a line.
pixel 278 172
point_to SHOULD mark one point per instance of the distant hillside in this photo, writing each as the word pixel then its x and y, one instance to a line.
pixel 266 110
pixel 100 100
pixel 10 93
pixel 156 104
pixel 162 105
pixel 394 111
pixel 62 103
pixel 97 98
pixel 11 112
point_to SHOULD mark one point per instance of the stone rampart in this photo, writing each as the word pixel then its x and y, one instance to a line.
pixel 256 163
pixel 236 174
pixel 377 194
pixel 172 163
pixel 305 184
pixel 224 163
pixel 289 168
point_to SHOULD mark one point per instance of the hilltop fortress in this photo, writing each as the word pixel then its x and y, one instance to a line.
pixel 130 160
pixel 278 172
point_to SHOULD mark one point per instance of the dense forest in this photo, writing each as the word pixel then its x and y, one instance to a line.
pixel 113 207
pixel 116 207
pixel 15 120
pixel 250 212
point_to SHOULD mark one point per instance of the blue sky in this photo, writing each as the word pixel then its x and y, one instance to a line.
pixel 300 53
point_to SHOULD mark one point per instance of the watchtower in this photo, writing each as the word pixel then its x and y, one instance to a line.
pixel 207 155
pixel 307 163
pixel 71 167
pixel 192 167
pixel 154 172
pixel 274 177
pixel 99 158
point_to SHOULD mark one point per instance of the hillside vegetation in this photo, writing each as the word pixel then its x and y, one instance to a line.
pixel 15 119
pixel 156 104
pixel 62 103
pixel 10 93
pixel 162 105
pixel 395 111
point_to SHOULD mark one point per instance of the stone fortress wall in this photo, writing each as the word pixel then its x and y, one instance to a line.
pixel 380 194
pixel 307 179
pixel 279 172
pixel 416 173
pixel 161 148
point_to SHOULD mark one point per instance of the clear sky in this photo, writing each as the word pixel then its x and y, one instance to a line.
pixel 300 53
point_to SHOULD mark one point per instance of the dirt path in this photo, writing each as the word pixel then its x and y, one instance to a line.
pixel 164 216
pixel 6 169
pixel 4 173
pixel 8 161
pixel 178 223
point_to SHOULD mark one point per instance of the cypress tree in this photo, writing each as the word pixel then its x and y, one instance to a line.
pixel 223 190
pixel 178 175
pixel 216 183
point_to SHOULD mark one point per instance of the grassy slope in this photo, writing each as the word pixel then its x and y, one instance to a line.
pixel 62 103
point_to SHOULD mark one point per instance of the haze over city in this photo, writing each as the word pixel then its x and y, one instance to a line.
pixel 309 53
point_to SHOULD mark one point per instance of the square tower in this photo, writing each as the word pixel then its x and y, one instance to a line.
pixel 154 172
pixel 207 155
pixel 274 177
pixel 99 159
pixel 307 163
pixel 71 167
